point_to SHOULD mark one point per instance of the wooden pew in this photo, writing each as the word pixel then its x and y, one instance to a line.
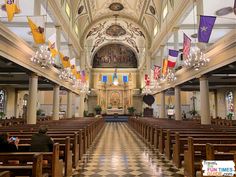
pixel 195 153
pixel 87 129
pixel 173 138
pixel 34 170
pixel 5 174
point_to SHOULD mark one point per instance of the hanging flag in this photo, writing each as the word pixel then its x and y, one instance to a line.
pixel 52 45
pixel 205 28
pixel 12 8
pixel 64 60
pixel 157 72
pixel 164 67
pixel 172 58
pixel 147 80
pixel 83 76
pixel 73 66
pixel 37 26
pixel 186 46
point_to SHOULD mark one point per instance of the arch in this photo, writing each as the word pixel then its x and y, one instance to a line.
pixel 114 55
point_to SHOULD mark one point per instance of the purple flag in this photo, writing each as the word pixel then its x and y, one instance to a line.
pixel 205 28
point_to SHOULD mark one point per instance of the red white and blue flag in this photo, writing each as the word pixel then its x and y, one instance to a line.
pixel 147 80
pixel 186 46
pixel 172 58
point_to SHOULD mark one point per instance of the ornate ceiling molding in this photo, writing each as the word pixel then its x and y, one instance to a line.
pixel 121 17
pixel 113 31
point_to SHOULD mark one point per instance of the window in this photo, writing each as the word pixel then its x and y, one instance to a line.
pixel 165 11
pixel 104 78
pixel 76 30
pixel 125 79
pixel 67 9
pixel 2 100
pixel 230 104
pixel 155 30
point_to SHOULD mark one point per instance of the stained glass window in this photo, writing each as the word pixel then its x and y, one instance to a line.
pixel 2 100
pixel 230 104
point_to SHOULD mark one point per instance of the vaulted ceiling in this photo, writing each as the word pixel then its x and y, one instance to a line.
pixel 146 13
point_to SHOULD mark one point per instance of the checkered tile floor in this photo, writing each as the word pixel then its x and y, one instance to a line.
pixel 118 151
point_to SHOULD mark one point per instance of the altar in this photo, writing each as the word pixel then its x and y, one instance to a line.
pixel 113 111
pixel 114 99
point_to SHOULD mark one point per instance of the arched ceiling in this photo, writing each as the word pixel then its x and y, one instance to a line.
pixel 115 31
pixel 146 13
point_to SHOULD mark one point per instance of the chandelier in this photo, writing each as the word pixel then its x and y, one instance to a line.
pixel 43 57
pixel 65 74
pixel 147 90
pixel 84 88
pixel 196 59
pixel 170 77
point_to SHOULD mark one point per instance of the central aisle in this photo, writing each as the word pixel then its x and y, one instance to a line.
pixel 118 151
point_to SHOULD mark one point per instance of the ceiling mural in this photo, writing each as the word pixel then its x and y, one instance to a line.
pixel 113 56
pixel 116 6
pixel 116 31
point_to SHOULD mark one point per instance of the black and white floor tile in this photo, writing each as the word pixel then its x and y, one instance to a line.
pixel 118 151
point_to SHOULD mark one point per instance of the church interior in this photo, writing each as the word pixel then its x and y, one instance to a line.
pixel 123 87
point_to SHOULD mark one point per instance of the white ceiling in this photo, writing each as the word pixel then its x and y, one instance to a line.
pixel 132 8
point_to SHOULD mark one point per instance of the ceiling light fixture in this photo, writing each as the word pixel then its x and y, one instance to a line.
pixel 196 58
pixel 43 57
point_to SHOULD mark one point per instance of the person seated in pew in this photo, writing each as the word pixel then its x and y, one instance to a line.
pixel 8 144
pixel 41 142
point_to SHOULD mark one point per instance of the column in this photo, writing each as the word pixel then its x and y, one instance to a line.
pixel 148 64
pixel 37 7
pixel 163 105
pixel 58 44
pixel 32 103
pixel 176 43
pixel 56 102
pixel 204 98
pixel 176 38
pixel 81 105
pixel 71 48
pixel 178 103
pixel 69 104
pixel 159 62
pixel 200 10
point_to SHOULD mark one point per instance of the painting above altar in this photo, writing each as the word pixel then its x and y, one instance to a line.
pixel 115 100
pixel 115 56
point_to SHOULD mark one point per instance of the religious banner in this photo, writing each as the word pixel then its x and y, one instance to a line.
pixel 65 60
pixel 52 45
pixel 11 8
pixel 205 28
pixel 37 27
